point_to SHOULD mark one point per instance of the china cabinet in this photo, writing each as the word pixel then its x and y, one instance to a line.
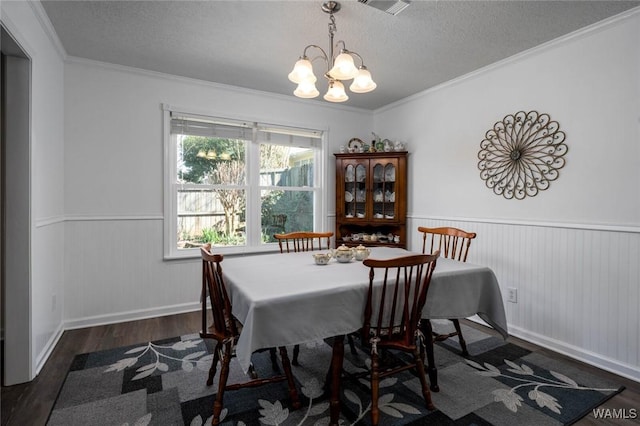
pixel 371 199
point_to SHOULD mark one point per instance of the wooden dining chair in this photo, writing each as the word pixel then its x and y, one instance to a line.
pixel 303 241
pixel 297 241
pixel 392 317
pixel 219 324
pixel 452 243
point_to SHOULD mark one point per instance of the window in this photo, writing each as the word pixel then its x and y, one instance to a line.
pixel 234 184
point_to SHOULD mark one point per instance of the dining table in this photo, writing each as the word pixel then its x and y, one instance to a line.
pixel 288 299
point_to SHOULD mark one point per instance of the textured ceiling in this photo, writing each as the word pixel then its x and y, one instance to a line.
pixel 254 44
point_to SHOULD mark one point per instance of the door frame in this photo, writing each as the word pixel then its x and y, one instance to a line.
pixel 15 171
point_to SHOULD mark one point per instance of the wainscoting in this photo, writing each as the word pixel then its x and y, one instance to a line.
pixel 578 287
pixel 115 272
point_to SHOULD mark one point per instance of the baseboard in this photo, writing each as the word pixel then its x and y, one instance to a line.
pixel 48 349
pixel 628 371
pixel 108 319
pixel 130 316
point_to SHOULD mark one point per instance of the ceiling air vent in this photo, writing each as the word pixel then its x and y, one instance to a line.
pixel 389 6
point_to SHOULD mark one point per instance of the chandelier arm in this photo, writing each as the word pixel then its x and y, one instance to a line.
pixel 352 53
pixel 323 56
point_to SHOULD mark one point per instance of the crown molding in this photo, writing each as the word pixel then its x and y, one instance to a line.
pixel 47 27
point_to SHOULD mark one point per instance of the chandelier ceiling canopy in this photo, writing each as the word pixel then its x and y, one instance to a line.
pixel 339 68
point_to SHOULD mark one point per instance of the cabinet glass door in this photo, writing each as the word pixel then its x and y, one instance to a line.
pixel 355 193
pixel 361 191
pixel 384 190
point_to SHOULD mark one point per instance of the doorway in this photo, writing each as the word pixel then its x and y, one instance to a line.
pixel 15 191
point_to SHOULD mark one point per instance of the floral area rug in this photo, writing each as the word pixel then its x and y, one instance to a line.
pixel 163 383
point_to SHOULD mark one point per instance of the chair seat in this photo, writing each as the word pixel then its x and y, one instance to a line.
pixel 212 334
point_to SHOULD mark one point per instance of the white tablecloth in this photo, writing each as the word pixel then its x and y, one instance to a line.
pixel 286 299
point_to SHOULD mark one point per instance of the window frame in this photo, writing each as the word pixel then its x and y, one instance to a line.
pixel 253 189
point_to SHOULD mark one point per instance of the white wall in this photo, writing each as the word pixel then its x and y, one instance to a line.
pixel 47 176
pixel 571 251
pixel 113 179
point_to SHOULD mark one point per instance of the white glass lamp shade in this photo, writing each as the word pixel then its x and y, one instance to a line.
pixel 306 89
pixel 336 92
pixel 343 68
pixel 302 71
pixel 363 82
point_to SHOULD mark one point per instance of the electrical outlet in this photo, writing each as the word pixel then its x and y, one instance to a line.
pixel 512 295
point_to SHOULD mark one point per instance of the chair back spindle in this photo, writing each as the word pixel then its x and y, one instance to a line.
pixel 303 241
pixel 394 306
pixel 220 322
pixel 453 243
pixel 221 326
pixel 395 299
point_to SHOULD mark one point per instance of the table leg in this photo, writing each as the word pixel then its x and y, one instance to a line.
pixel 431 364
pixel 336 373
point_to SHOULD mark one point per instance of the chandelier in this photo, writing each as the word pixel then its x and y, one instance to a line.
pixel 339 68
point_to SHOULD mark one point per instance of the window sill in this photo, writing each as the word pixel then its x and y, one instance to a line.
pixel 194 253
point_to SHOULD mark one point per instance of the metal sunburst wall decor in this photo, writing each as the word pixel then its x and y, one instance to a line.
pixel 522 154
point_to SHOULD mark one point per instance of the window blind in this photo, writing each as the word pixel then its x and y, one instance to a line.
pixel 289 136
pixel 194 125
pixel 200 126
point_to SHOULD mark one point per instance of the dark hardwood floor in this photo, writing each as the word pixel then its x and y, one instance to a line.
pixel 30 403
